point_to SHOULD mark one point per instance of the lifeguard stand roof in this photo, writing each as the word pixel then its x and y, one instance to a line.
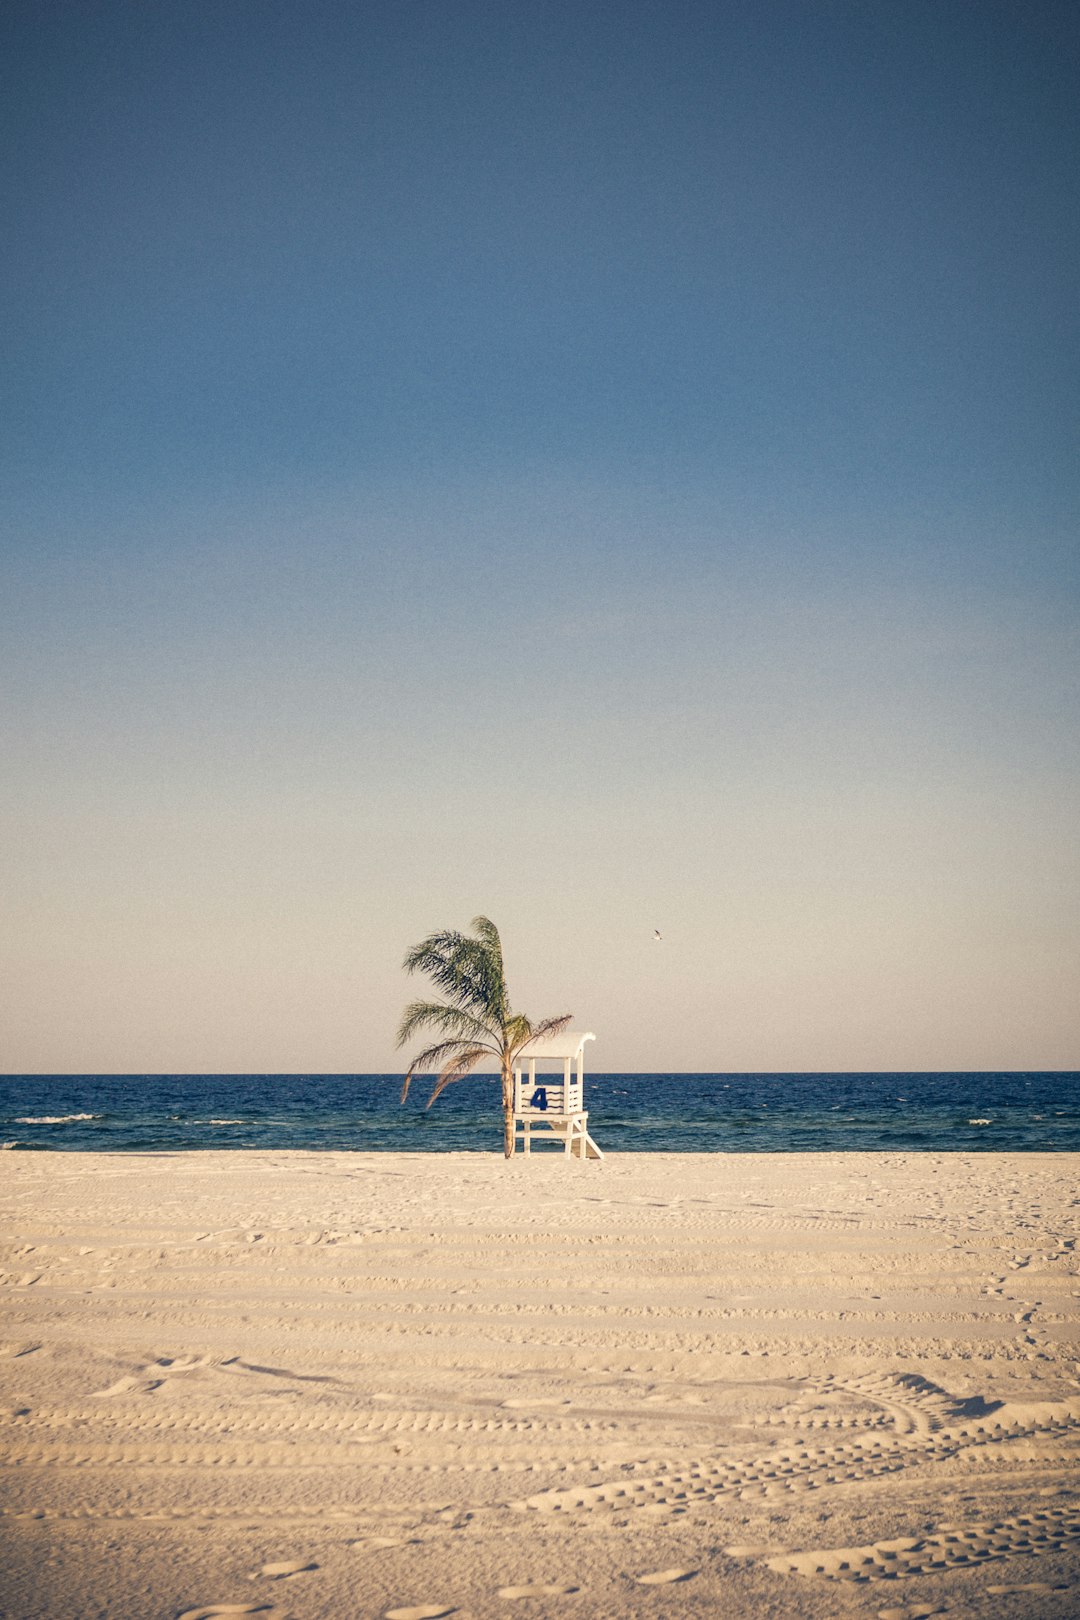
pixel 566 1045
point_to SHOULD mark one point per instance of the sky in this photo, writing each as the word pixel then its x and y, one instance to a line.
pixel 607 467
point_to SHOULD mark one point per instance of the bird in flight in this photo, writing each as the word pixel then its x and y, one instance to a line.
pixel 657 935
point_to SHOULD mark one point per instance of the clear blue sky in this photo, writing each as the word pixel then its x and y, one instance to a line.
pixel 607 466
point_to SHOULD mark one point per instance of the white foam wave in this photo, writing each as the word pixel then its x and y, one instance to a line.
pixel 980 1122
pixel 54 1119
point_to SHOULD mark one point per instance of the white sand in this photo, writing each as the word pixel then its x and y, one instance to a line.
pixel 351 1385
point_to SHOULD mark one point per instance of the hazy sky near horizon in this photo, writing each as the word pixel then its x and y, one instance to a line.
pixel 609 467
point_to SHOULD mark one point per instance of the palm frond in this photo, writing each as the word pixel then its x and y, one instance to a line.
pixel 440 1015
pixel 439 958
pixel 516 1031
pixel 440 1053
pixel 457 1069
pixel 495 972
pixel 468 970
pixel 436 948
pixel 525 1031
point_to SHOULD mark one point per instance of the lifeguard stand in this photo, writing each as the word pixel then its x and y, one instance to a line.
pixel 554 1103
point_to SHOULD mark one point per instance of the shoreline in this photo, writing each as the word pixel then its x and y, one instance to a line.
pixel 611 1155
pixel 428 1378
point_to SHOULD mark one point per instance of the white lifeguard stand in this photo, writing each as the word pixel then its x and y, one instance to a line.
pixel 556 1104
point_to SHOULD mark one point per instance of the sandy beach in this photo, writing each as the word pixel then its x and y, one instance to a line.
pixel 350 1385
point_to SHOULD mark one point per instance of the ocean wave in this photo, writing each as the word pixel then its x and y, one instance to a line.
pixel 980 1122
pixel 55 1119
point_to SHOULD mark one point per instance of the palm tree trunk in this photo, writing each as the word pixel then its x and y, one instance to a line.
pixel 508 1107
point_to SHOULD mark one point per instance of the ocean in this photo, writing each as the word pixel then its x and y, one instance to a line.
pixel 628 1113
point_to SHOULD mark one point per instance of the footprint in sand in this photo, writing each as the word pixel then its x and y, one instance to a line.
pixel 951 1547
pixel 554 1590
pixel 125 1385
pixel 214 1609
pixel 1042 1587
pixel 664 1577
pixel 423 1611
pixel 286 1566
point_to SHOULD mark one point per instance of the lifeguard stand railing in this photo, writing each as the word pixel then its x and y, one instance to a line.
pixel 554 1104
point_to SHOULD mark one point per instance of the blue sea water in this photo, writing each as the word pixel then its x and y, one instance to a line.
pixel 637 1113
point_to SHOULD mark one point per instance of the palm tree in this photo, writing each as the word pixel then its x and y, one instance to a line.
pixel 475 1021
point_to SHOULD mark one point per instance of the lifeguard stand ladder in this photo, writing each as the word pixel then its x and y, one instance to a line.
pixel 555 1104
